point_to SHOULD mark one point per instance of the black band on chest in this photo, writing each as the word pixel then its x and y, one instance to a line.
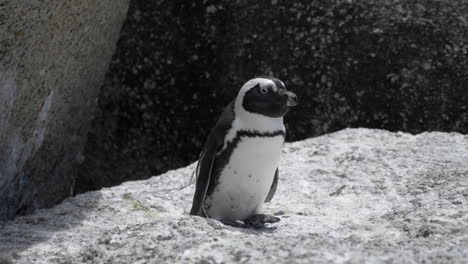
pixel 249 133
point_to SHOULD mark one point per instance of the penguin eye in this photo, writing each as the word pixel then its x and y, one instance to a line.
pixel 263 90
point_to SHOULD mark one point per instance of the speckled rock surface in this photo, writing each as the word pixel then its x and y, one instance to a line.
pixel 355 196
pixel 53 58
pixel 396 65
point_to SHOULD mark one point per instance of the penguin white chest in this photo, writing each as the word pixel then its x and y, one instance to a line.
pixel 246 179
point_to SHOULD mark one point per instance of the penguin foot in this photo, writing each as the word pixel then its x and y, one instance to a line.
pixel 258 221
pixel 233 223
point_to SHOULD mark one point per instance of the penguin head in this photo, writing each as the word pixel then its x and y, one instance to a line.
pixel 266 96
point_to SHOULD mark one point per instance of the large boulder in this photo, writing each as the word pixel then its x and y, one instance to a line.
pixel 398 65
pixel 355 196
pixel 53 58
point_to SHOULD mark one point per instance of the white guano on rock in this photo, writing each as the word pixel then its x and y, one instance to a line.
pixel 355 196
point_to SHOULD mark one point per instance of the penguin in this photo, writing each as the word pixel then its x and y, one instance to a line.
pixel 237 170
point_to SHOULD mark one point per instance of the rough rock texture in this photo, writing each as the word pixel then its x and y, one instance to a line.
pixel 354 196
pixel 53 58
pixel 396 65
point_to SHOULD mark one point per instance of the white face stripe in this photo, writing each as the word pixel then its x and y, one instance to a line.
pixel 263 83
pixel 245 120
pixel 281 83
pixel 253 121
pixel 238 108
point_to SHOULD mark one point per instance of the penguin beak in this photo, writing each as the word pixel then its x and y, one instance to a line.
pixel 292 98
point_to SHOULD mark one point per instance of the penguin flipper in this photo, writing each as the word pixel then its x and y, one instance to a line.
pixel 272 191
pixel 203 173
pixel 207 158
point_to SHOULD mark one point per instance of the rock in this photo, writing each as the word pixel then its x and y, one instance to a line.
pixel 396 65
pixel 53 57
pixel 397 207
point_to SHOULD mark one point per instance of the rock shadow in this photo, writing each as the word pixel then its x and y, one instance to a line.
pixel 26 231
